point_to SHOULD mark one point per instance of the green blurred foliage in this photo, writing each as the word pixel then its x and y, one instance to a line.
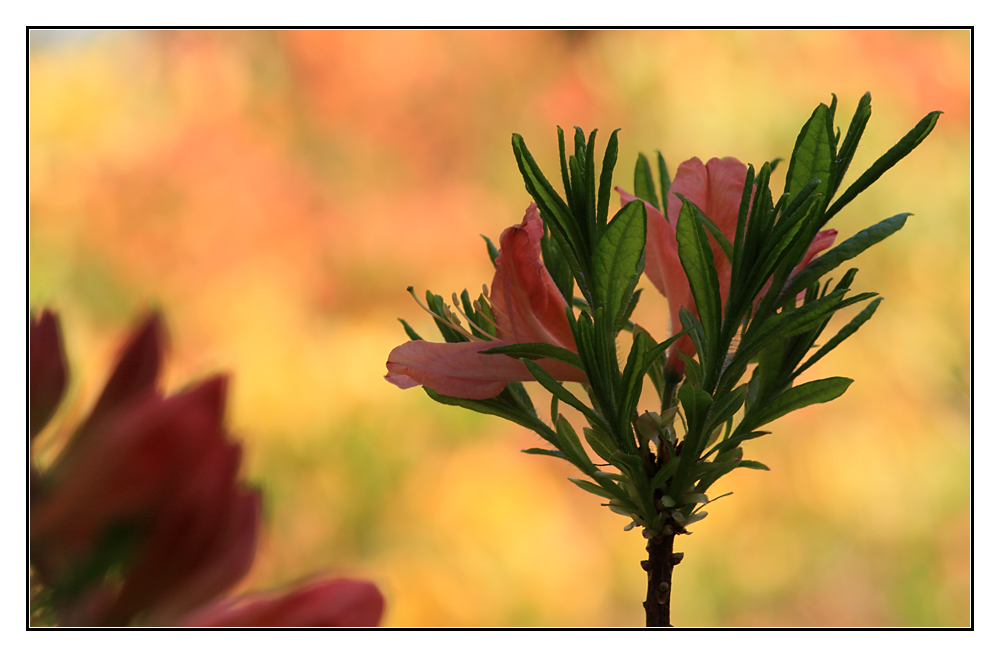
pixel 274 193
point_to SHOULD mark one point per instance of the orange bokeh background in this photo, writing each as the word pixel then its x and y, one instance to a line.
pixel 275 192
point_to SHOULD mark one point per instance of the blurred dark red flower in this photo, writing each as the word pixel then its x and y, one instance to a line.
pixel 142 517
pixel 327 603
pixel 47 375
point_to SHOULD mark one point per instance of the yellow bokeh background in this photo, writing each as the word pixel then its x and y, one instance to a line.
pixel 274 193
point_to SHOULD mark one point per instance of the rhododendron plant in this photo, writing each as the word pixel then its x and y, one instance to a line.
pixel 142 518
pixel 743 273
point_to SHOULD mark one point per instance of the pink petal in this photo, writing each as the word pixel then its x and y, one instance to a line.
pixel 47 370
pixel 529 306
pixel 824 240
pixel 717 189
pixel 330 603
pixel 457 369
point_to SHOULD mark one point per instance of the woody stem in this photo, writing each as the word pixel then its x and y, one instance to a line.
pixel 659 569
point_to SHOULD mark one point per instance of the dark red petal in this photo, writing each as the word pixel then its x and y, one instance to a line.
pixel 47 371
pixel 137 368
pixel 330 603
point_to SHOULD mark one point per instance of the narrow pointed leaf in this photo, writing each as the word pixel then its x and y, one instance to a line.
pixel 618 260
pixel 664 177
pixel 492 250
pixel 643 182
pixel 594 488
pixel 536 350
pixel 696 258
pixel 806 394
pixel 604 191
pixel 713 230
pixel 664 473
pixel 846 250
pixel 413 335
pixel 851 140
pixel 495 407
pixel 554 210
pixel 847 331
pixel 813 154
pixel 753 465
pixel 902 148
pixel 570 445
pixel 545 452
pixel 560 391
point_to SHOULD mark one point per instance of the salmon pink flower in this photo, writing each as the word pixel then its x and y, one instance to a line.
pixel 526 306
pixel 716 189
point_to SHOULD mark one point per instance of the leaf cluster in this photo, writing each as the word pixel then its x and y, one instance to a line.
pixel 656 467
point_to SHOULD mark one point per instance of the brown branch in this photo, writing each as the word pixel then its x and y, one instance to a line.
pixel 659 571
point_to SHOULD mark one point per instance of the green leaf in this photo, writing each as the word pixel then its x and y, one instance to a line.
pixel 561 392
pixel 813 154
pixel 902 148
pixel 753 465
pixel 664 473
pixel 594 488
pixel 707 474
pixel 844 333
pixel 600 442
pixel 631 381
pixel 623 317
pixel 696 258
pixel 852 139
pixel 515 394
pixel 643 354
pixel 500 408
pixel 692 369
pixel 604 191
pixel 696 403
pixel 720 239
pixel 554 211
pixel 848 249
pixel 644 187
pixel 738 258
pixel 618 260
pixel 806 394
pixel 545 452
pixel 664 179
pixel 535 350
pixel 478 325
pixel 786 240
pixel 725 408
pixel 791 255
pixel 413 335
pixel 731 443
pixel 659 360
pixel 436 303
pixel 590 200
pixel 491 250
pixel 557 265
pixel 571 446
pixel 779 327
